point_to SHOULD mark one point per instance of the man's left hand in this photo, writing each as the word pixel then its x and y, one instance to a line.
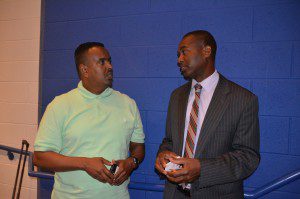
pixel 189 172
pixel 125 168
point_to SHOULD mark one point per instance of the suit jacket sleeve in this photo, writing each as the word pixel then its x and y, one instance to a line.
pixel 167 143
pixel 244 157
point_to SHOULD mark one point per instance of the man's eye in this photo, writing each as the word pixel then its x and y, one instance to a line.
pixel 101 61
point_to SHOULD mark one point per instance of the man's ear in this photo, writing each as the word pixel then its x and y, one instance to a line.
pixel 206 51
pixel 83 70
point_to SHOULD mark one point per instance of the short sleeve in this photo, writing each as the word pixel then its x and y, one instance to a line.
pixel 138 135
pixel 49 136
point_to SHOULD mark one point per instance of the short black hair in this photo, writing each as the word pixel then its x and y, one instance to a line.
pixel 81 50
pixel 207 39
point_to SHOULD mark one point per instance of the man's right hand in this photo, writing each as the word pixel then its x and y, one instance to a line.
pixel 96 168
pixel 162 159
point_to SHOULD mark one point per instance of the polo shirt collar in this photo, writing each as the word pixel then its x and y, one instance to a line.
pixel 84 92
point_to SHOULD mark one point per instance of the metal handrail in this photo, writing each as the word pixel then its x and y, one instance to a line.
pixel 274 185
pixel 11 150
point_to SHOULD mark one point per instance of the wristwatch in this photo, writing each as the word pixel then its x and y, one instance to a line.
pixel 136 162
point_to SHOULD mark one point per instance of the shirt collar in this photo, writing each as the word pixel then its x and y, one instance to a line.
pixel 84 92
pixel 208 83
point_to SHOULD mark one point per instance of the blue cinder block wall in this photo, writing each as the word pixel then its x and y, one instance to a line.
pixel 258 47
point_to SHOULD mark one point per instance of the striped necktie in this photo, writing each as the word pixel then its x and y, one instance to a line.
pixel 192 129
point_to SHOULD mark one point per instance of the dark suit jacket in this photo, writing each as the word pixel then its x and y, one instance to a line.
pixel 228 146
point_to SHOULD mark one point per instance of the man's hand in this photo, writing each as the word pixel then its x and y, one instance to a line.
pixel 189 172
pixel 96 168
pixel 162 159
pixel 125 168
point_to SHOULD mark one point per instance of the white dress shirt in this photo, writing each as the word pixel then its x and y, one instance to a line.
pixel 208 88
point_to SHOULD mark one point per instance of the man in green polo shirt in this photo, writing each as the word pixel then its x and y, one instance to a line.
pixel 83 132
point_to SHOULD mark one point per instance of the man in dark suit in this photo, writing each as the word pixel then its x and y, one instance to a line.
pixel 212 128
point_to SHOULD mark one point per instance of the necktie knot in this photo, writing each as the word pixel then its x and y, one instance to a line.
pixel 198 87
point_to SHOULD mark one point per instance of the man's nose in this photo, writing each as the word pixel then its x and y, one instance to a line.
pixel 180 59
pixel 109 65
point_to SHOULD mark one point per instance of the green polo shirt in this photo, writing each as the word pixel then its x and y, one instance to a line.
pixel 82 124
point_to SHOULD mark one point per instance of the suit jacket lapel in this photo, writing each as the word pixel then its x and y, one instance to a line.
pixel 214 113
pixel 182 106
